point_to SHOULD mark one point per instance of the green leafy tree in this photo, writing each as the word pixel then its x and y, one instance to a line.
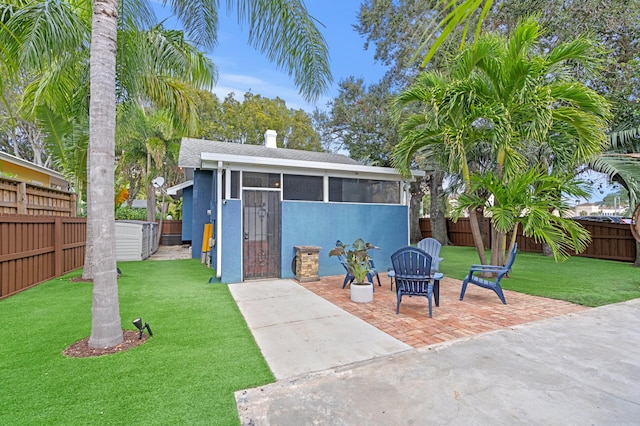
pixel 359 122
pixel 246 121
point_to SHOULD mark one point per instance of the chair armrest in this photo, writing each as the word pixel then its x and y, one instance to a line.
pixel 438 276
pixel 486 268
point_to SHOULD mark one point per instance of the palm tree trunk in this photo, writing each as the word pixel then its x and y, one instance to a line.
pixel 415 234
pixel 497 247
pixel 437 209
pixel 87 271
pixel 106 328
pixel 477 236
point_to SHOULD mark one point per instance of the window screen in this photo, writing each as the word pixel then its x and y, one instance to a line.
pixel 363 191
pixel 299 187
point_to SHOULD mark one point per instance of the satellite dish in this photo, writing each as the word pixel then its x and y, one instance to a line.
pixel 158 182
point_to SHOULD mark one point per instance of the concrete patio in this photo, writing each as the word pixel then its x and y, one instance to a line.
pixel 533 361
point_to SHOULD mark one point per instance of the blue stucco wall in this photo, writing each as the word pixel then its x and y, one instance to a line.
pixel 303 223
pixel 321 224
pixel 187 213
pixel 203 189
pixel 231 241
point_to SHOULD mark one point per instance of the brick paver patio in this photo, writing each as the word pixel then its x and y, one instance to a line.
pixel 480 311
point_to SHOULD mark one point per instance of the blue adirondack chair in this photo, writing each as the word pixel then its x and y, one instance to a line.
pixel 412 271
pixel 432 247
pixel 499 271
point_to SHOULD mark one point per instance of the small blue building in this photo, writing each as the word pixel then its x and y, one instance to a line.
pixel 262 201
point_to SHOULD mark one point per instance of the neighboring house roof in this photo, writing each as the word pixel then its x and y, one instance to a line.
pixel 55 178
pixel 177 189
pixel 205 154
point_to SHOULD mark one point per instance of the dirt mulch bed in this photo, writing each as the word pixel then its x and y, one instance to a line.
pixel 81 349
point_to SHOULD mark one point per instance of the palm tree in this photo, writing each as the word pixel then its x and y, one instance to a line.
pixel 282 30
pixel 500 101
pixel 149 145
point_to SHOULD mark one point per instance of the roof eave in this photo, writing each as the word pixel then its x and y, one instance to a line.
pixel 210 161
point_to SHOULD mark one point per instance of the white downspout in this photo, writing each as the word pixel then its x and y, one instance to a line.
pixel 219 221
pixel 406 194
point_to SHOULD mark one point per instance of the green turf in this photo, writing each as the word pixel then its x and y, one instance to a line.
pixel 201 352
pixel 589 282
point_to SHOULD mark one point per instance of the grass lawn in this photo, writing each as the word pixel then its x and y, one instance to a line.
pixel 589 282
pixel 201 352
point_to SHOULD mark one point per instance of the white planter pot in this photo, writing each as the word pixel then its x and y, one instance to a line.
pixel 361 293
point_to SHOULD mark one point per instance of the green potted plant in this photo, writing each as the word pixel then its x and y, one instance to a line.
pixel 358 264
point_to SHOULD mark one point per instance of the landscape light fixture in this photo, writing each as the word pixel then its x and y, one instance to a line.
pixel 138 323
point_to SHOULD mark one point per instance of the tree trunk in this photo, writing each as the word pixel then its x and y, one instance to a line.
pixel 151 203
pixel 546 250
pixel 415 234
pixel 437 209
pixel 478 240
pixel 637 262
pixel 497 247
pixel 106 327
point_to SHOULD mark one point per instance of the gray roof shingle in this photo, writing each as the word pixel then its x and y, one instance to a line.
pixel 191 150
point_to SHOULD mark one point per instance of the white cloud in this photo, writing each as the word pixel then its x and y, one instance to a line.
pixel 242 83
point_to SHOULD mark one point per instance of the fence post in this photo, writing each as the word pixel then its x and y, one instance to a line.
pixel 22 198
pixel 58 255
pixel 72 205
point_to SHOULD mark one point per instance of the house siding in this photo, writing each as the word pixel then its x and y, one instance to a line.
pixel 232 241
pixel 187 214
pixel 321 224
pixel 203 190
pixel 303 223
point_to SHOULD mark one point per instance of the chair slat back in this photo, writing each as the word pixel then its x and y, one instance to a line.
pixel 432 247
pixel 411 263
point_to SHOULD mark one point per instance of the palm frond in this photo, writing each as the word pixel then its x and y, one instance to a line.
pixel 199 18
pixel 288 36
pixel 458 13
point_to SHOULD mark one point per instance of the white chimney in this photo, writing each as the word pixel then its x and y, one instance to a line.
pixel 270 139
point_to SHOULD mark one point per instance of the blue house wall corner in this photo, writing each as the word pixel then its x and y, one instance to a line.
pixel 203 183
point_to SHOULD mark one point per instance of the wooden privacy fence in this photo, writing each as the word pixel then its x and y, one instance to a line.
pixel 34 249
pixel 171 233
pixel 17 197
pixel 610 241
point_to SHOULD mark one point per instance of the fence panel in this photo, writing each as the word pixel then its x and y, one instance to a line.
pixel 171 233
pixel 34 249
pixel 610 241
pixel 18 197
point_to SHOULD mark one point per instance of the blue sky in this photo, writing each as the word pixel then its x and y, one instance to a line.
pixel 242 69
